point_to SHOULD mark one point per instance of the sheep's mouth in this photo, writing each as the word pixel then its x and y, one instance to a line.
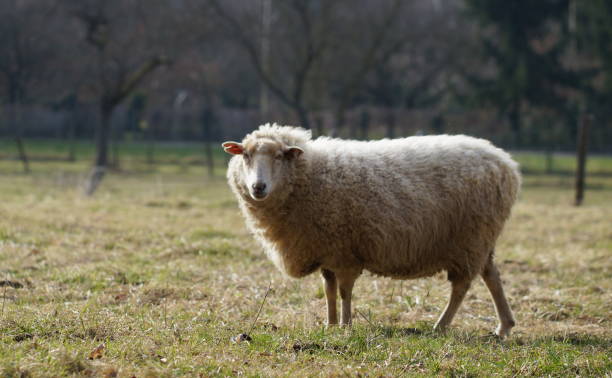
pixel 258 196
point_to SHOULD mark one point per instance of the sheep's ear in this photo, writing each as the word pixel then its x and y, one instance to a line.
pixel 293 152
pixel 233 148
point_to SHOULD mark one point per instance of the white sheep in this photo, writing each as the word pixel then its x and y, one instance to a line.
pixel 402 208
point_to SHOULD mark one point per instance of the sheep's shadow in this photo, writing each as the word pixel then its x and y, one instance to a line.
pixel 392 331
pixel 427 331
pixel 474 337
pixel 572 339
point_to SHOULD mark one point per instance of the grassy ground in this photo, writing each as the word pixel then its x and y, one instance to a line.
pixel 159 269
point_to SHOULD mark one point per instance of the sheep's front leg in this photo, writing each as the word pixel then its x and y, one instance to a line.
pixel 331 292
pixel 346 281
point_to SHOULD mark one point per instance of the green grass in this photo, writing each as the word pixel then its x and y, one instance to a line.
pixel 159 268
pixel 131 152
pixel 562 163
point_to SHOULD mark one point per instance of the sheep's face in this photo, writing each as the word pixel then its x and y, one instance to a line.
pixel 264 164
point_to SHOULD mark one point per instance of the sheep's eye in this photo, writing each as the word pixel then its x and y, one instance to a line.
pixel 278 157
pixel 246 157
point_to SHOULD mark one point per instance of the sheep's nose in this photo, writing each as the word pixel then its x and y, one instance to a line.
pixel 259 187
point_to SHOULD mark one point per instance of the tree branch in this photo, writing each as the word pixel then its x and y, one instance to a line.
pixel 241 37
pixel 129 84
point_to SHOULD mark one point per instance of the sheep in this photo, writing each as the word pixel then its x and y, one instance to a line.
pixel 402 208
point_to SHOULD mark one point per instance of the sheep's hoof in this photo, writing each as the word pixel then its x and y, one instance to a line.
pixel 504 328
pixel 503 332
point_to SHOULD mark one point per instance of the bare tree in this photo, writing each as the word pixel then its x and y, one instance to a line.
pixel 207 125
pixel 24 46
pixel 266 25
pixel 121 59
pixel 361 55
pixel 305 39
pixel 414 71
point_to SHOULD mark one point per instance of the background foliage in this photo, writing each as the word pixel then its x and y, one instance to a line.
pixel 517 72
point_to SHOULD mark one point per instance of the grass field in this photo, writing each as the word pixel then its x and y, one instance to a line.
pixel 158 268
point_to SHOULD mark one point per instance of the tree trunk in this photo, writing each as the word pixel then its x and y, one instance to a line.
pixel 151 132
pixel 210 162
pixel 264 93
pixel 72 121
pixel 151 146
pixel 15 119
pixel 303 116
pixel 117 134
pixel 206 126
pixel 101 160
pixel 515 122
pixel 22 154
pixel 338 123
pixel 390 122
pixel 364 124
pixel 319 125
pixel 437 124
pixel 353 131
pixel 102 137
pixel 549 160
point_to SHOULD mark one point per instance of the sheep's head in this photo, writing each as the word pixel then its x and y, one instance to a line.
pixel 265 164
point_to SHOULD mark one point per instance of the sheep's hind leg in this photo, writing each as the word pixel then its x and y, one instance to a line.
pixel 331 292
pixel 491 277
pixel 460 287
pixel 346 281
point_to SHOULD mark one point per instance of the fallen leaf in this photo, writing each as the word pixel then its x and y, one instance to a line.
pixel 97 353
pixel 120 297
pixel 242 337
pixel 270 326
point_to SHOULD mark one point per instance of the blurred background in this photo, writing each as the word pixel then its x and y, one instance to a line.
pixel 134 83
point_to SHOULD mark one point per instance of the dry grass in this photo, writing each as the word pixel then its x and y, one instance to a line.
pixel 159 268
